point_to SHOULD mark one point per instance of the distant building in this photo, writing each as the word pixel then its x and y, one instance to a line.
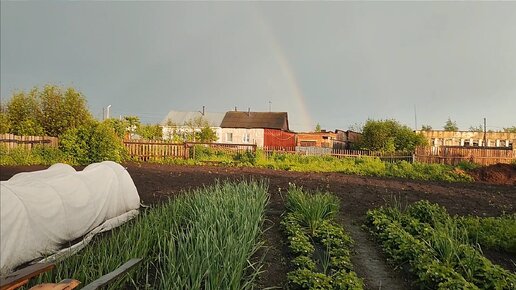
pixel 176 123
pixel 348 138
pixel 321 139
pixel 326 139
pixel 469 139
pixel 268 129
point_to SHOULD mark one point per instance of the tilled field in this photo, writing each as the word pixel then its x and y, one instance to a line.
pixel 156 183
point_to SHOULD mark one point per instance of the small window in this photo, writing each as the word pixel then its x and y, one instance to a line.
pixel 246 138
pixel 229 137
pixel 466 143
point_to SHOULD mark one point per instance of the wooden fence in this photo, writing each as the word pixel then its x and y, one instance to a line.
pixel 453 155
pixel 159 150
pixel 11 141
pixel 340 153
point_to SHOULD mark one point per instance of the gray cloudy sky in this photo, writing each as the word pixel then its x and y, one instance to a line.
pixel 336 63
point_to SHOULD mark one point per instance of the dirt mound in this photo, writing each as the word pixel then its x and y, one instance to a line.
pixel 496 174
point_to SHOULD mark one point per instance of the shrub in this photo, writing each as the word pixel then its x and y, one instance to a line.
pixel 94 143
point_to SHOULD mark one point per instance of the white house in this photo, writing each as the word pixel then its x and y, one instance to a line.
pixel 260 128
pixel 176 122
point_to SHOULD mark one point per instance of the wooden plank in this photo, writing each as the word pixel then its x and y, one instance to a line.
pixel 113 275
pixel 24 274
pixel 65 284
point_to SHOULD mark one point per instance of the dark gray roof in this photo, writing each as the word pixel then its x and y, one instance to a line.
pixel 253 120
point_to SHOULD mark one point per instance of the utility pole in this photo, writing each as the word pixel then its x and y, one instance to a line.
pixel 415 118
pixel 485 138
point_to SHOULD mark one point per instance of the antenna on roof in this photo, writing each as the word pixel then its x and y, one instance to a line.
pixel 202 113
pixel 236 109
pixel 249 111
pixel 270 106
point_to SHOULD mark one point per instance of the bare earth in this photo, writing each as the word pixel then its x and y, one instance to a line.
pixel 156 183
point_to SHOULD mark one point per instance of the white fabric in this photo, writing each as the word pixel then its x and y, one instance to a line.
pixel 42 210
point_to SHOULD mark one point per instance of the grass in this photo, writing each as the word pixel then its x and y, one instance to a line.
pixel 204 239
pixel 366 166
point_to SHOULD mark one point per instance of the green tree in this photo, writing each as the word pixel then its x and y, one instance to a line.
pixel 207 135
pixel 90 143
pixel 318 128
pixel 49 111
pixel 451 126
pixel 150 132
pixel 199 130
pixel 62 109
pixel 134 123
pixel 23 112
pixel 426 128
pixel 119 126
pixel 389 136
pixel 510 129
pixel 480 128
pixel 5 123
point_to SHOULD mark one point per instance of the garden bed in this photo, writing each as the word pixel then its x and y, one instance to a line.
pixel 156 183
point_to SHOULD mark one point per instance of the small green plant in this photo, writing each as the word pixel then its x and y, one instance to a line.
pixel 321 246
pixel 311 209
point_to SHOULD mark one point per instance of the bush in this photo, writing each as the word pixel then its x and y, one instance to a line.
pixel 39 155
pixel 94 143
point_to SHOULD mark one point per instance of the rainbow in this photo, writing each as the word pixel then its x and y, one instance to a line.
pixel 307 122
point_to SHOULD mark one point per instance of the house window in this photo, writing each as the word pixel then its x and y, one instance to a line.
pixel 229 137
pixel 246 138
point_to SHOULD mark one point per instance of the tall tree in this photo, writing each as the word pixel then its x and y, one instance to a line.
pixel 318 128
pixel 24 114
pixel 510 129
pixel 5 123
pixel 389 135
pixel 451 126
pixel 426 128
pixel 49 111
pixel 62 109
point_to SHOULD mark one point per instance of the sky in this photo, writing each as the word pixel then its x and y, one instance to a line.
pixel 332 63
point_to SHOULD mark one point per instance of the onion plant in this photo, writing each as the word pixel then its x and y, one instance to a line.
pixel 311 209
pixel 204 239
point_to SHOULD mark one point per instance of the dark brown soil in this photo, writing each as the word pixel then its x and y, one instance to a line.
pixel 495 174
pixel 156 183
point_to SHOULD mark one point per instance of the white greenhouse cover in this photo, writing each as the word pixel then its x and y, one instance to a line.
pixel 43 210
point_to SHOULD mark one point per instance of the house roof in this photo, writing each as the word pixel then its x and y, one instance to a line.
pixel 180 118
pixel 253 120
